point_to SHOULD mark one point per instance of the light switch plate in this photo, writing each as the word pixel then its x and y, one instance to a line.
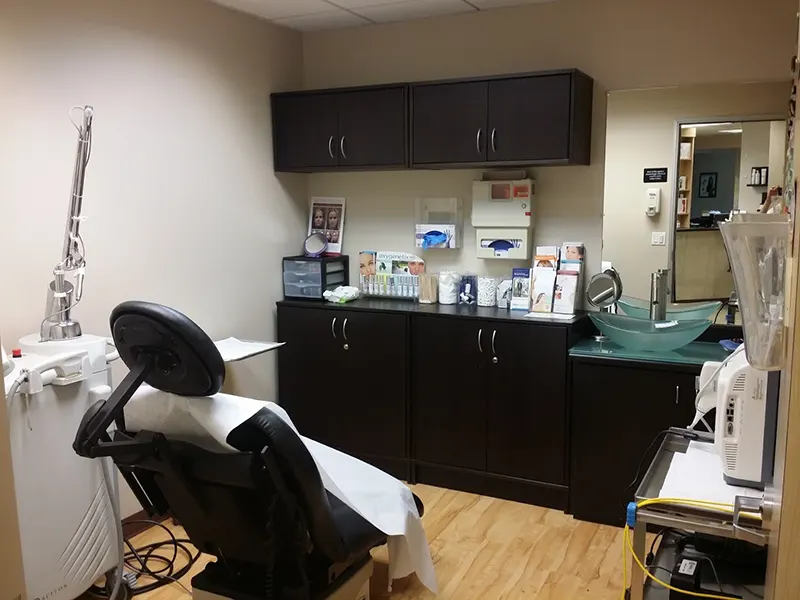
pixel 658 238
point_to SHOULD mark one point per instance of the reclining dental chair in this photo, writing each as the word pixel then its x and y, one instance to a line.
pixel 263 511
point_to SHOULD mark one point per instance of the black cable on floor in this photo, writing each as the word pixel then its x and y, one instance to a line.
pixel 165 570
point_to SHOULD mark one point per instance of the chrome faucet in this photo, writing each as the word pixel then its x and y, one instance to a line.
pixel 659 293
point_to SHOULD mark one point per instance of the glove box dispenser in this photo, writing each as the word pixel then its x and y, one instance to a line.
pixel 502 217
pixel 506 243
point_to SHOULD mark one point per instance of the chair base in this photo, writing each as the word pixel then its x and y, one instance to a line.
pixel 352 587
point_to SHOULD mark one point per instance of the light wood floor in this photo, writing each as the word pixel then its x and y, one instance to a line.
pixel 487 549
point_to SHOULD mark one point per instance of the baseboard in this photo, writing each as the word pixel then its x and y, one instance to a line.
pixel 131 526
pixel 488 484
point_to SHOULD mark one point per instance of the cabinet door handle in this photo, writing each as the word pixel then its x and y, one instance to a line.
pixel 333 327
pixel 494 133
pixel 480 333
pixel 494 335
pixel 330 147
pixel 344 330
pixel 478 140
pixel 677 393
pixel 341 146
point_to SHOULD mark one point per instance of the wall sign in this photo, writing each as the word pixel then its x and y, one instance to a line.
pixel 655 175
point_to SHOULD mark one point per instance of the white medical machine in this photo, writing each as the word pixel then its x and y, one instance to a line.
pixel 67 506
pixel 746 400
pixel 744 388
pixel 502 217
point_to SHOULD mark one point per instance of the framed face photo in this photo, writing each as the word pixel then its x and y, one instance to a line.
pixel 708 185
pixel 326 216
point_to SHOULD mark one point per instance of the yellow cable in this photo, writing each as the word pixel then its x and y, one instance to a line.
pixel 624 565
pixel 718 506
pixel 628 543
pixel 666 585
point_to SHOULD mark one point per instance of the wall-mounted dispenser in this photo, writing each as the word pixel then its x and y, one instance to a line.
pixel 439 223
pixel 653 206
pixel 502 216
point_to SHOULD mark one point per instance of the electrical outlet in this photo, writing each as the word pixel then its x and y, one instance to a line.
pixel 658 238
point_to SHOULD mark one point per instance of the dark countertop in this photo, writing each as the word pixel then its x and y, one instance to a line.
pixel 692 229
pixel 454 310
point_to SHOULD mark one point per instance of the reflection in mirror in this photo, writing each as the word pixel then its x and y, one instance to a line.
pixel 722 167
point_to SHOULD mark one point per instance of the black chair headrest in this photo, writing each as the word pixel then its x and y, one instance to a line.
pixel 186 360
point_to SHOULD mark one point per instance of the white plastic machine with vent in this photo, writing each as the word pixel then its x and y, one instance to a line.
pixel 746 422
pixel 502 217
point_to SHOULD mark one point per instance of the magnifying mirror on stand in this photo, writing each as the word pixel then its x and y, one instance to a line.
pixel 603 291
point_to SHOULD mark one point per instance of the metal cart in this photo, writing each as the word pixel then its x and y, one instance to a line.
pixel 743 524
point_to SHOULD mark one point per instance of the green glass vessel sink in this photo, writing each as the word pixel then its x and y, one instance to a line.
pixel 683 311
pixel 646 335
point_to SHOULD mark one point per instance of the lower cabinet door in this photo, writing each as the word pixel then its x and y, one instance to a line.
pixel 526 412
pixel 309 369
pixel 370 401
pixel 617 412
pixel 448 409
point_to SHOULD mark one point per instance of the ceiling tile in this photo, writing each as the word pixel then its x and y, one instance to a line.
pixel 327 20
pixel 351 4
pixel 278 9
pixel 487 4
pixel 412 9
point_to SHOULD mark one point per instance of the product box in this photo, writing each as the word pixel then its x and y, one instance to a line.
pixel 521 289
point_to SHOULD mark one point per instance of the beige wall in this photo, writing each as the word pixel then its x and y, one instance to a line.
pixel 623 44
pixel 715 142
pixel 605 39
pixel 642 132
pixel 755 153
pixel 183 206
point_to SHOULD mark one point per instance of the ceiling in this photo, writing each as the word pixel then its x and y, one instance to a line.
pixel 316 15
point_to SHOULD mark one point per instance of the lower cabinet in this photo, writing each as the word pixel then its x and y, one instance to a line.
pixel 343 380
pixel 617 410
pixel 488 407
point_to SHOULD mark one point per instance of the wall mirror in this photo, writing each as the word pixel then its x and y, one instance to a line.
pixel 722 166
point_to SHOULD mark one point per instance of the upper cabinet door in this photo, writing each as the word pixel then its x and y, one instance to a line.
pixel 305 131
pixel 529 119
pixel 373 128
pixel 449 123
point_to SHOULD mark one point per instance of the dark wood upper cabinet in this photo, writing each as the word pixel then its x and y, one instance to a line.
pixel 507 120
pixel 515 120
pixel 529 118
pixel 305 131
pixel 365 128
pixel 373 128
pixel 449 123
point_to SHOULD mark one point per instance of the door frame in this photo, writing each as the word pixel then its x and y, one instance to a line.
pixel 782 498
